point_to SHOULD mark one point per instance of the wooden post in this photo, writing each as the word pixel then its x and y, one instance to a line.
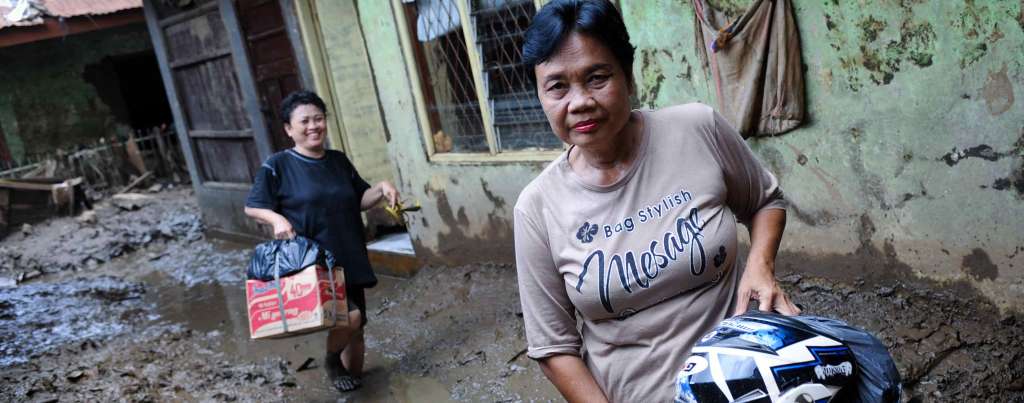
pixel 246 82
pixel 156 34
pixel 289 9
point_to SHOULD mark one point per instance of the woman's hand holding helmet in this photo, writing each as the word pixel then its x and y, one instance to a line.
pixel 758 282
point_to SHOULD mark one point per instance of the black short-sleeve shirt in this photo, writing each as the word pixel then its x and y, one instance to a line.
pixel 320 198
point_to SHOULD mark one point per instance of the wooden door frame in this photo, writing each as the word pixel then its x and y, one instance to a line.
pixel 246 81
pixel 220 198
pixel 243 71
pixel 290 12
pixel 160 48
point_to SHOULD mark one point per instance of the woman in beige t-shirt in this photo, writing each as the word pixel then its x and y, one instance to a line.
pixel 626 243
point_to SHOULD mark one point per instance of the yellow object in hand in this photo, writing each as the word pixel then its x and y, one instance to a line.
pixel 397 212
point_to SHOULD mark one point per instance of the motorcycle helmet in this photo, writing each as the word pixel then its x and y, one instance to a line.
pixel 766 358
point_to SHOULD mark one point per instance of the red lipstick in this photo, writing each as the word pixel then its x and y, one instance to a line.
pixel 586 126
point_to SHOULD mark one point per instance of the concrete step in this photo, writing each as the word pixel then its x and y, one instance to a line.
pixel 393 255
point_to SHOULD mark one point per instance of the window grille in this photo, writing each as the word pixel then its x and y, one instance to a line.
pixel 458 65
pixel 448 88
pixel 519 122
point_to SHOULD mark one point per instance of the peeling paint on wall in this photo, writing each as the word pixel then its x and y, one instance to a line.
pixel 980 266
pixel 914 122
pixel 883 57
pixel 998 92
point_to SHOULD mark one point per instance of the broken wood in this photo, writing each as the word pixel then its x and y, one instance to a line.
pixel 310 363
pixel 136 182
pixel 134 155
pixel 30 200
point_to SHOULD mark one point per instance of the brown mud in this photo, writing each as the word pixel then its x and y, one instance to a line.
pixel 139 306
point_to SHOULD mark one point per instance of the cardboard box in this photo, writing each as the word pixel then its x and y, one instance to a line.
pixel 305 300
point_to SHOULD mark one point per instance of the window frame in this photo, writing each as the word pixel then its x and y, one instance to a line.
pixel 469 34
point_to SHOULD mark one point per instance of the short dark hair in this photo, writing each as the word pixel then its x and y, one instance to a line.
pixel 299 98
pixel 598 19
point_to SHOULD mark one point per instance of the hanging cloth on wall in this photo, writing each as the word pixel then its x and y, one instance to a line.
pixel 755 64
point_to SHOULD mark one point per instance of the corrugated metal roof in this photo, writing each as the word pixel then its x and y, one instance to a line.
pixel 72 8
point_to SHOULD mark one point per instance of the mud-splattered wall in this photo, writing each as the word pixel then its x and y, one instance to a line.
pixel 58 92
pixel 467 207
pixel 911 162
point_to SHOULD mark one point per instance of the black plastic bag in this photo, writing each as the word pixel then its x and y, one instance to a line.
pixel 280 258
pixel 878 379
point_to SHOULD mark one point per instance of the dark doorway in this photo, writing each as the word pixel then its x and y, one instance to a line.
pixel 130 85
pixel 143 90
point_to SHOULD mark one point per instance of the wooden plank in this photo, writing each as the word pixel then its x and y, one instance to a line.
pixel 469 34
pixel 228 186
pixel 157 36
pixel 245 80
pixel 220 134
pixel 265 34
pixel 199 58
pixel 195 36
pixel 64 27
pixel 238 168
pixel 289 10
pixel 186 15
pixel 27 185
pixel 270 48
pixel 279 69
pixel 213 98
pixel 258 18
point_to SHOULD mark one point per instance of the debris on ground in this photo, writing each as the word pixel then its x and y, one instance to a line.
pixel 139 306
pixel 117 226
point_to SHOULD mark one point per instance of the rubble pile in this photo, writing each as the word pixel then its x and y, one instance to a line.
pixel 166 321
pixel 119 225
pixel 948 343
pixel 158 364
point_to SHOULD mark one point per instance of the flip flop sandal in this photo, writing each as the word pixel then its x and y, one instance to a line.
pixel 338 375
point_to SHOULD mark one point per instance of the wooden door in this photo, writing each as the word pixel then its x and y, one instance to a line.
pixel 273 61
pixel 213 99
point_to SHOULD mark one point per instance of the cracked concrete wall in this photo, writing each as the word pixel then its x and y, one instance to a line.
pixel 46 99
pixel 912 160
pixel 911 163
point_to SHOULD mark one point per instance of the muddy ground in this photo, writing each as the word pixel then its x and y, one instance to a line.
pixel 135 304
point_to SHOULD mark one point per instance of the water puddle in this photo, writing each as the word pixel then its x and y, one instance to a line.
pixel 39 317
pixel 189 299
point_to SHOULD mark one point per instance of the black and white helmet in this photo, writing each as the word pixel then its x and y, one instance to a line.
pixel 765 358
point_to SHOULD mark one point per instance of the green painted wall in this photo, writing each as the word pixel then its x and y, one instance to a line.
pixel 352 83
pixel 911 163
pixel 45 100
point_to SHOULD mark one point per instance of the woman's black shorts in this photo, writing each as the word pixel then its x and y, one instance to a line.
pixel 356 300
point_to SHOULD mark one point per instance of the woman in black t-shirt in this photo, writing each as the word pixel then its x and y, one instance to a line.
pixel 314 192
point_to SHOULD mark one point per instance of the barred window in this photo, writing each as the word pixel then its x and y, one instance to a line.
pixel 474 91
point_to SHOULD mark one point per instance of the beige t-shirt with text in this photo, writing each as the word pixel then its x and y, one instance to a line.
pixel 628 276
